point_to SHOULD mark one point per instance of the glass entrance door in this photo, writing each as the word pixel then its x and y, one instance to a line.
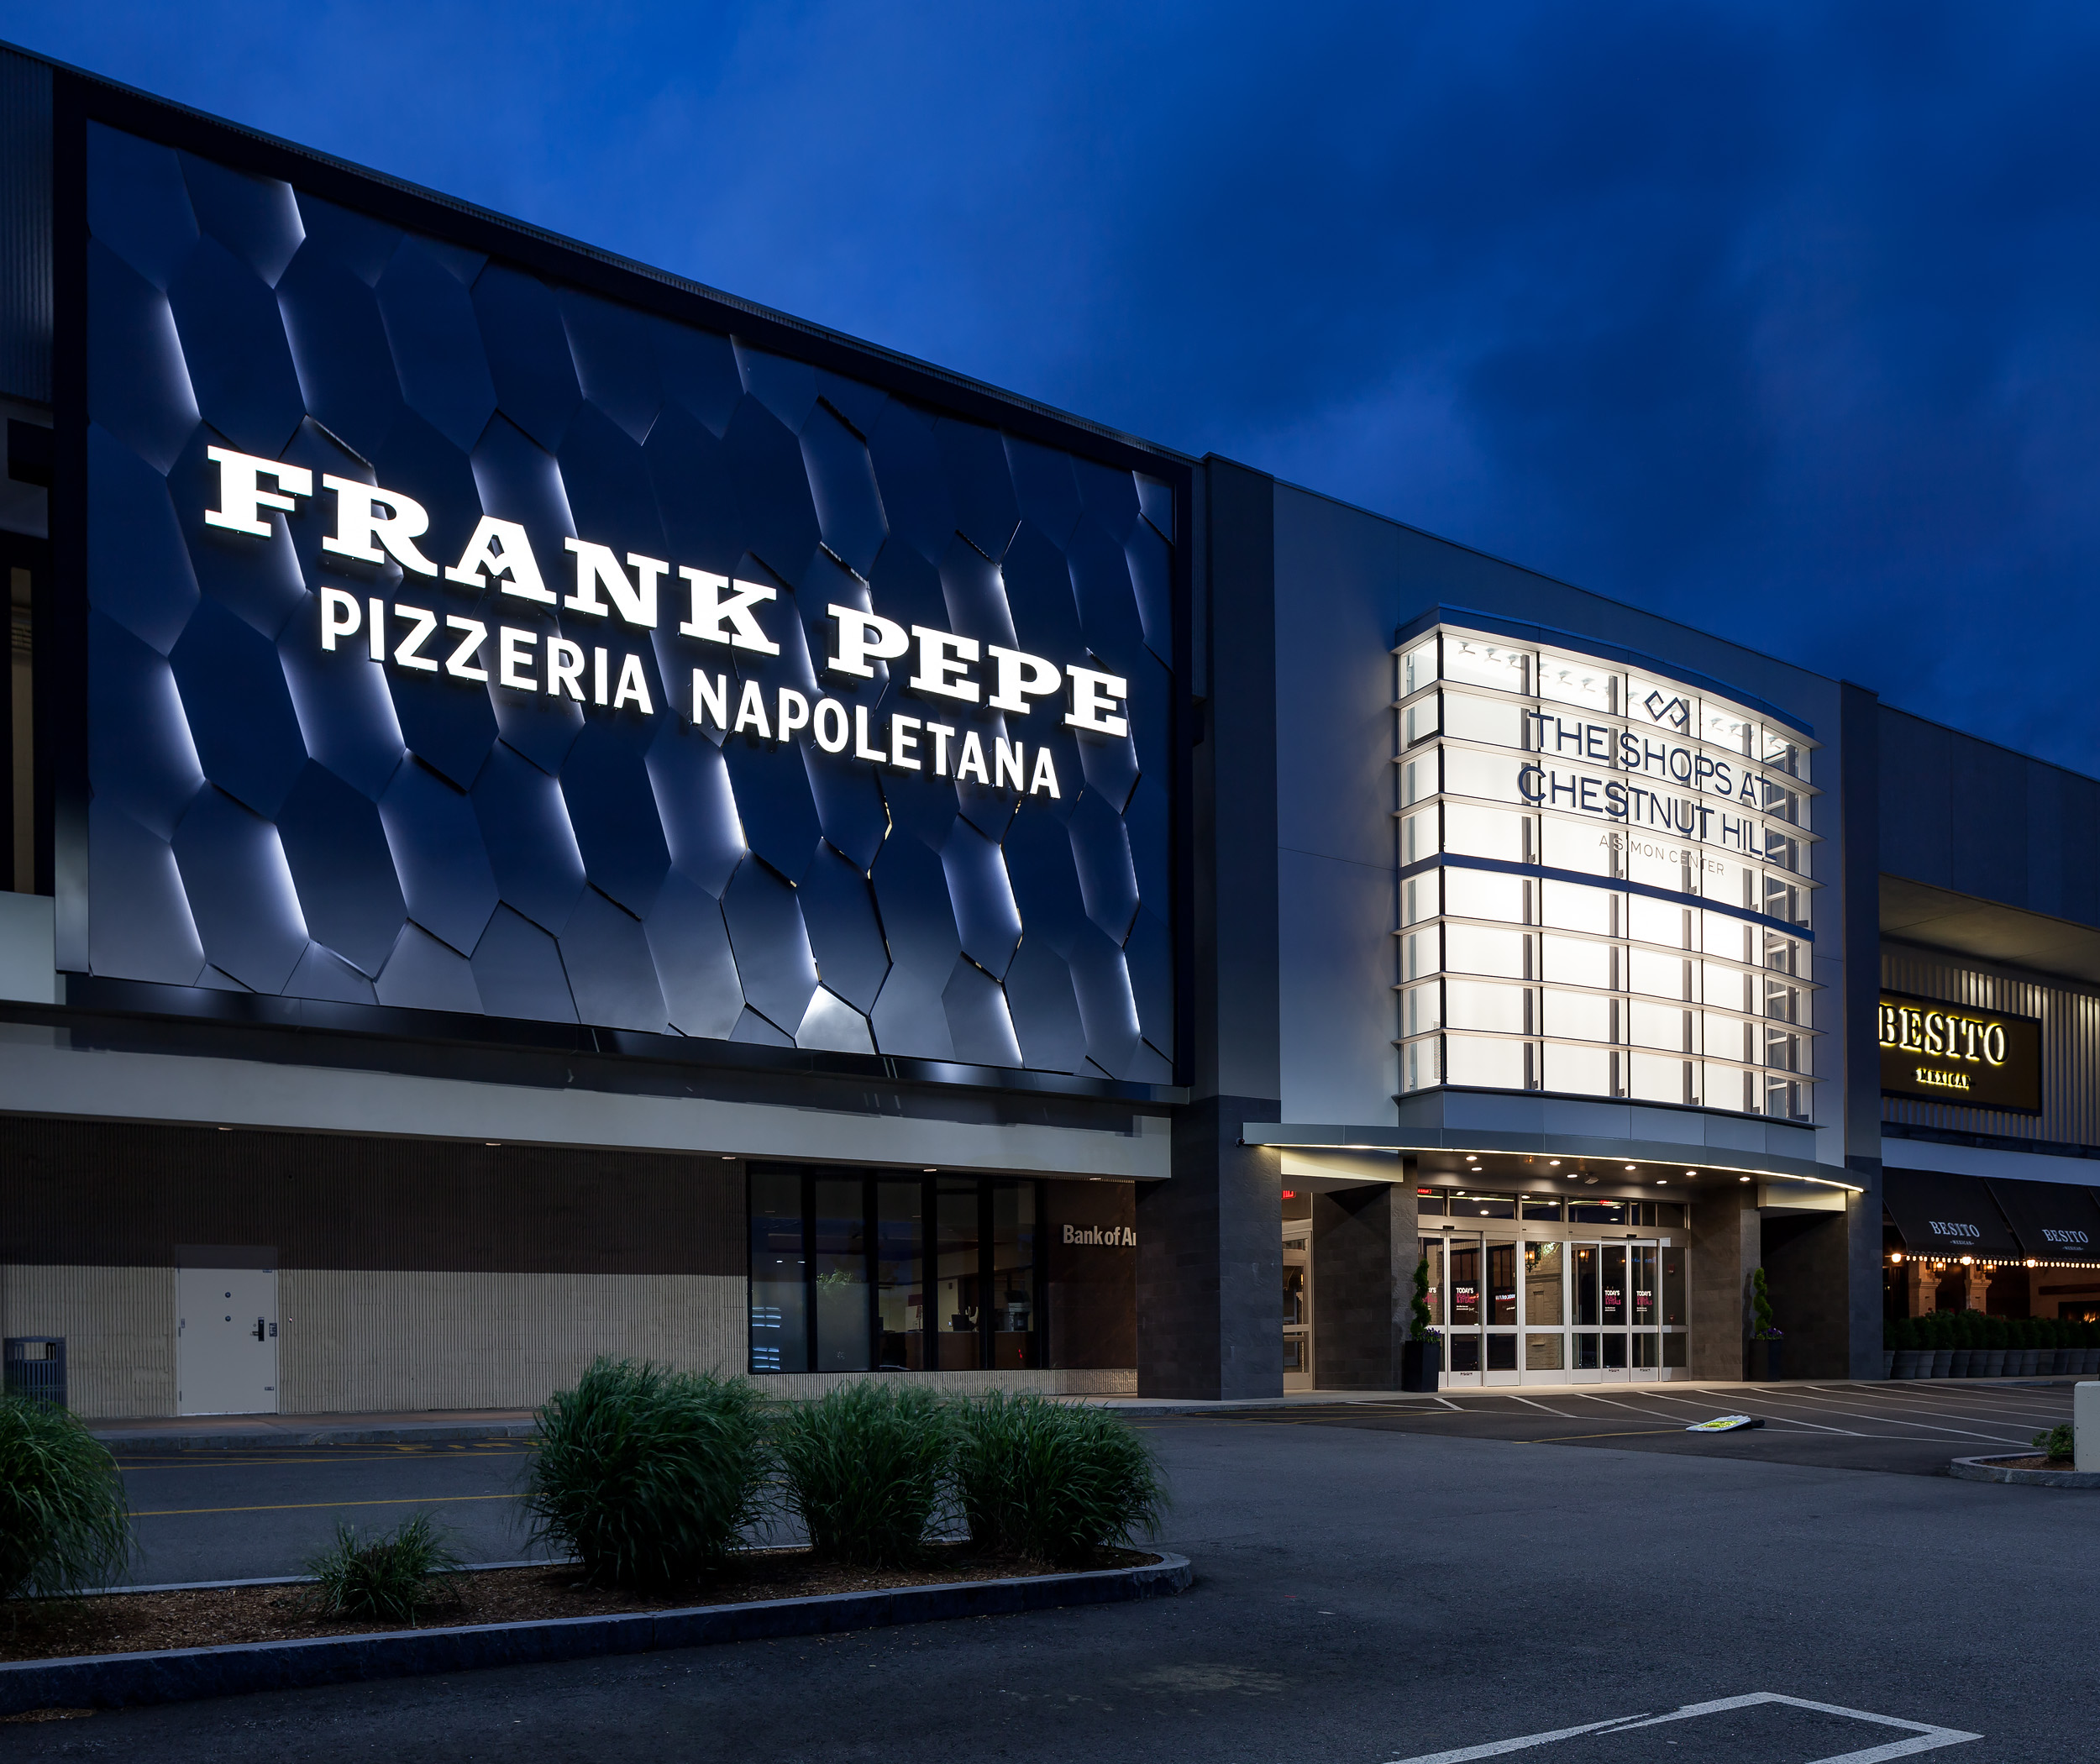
pixel 1298 1361
pixel 1554 1311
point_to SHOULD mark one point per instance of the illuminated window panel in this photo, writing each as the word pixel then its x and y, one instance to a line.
pixel 1639 825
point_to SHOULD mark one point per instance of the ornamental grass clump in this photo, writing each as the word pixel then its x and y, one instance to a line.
pixel 1054 1481
pixel 393 1580
pixel 65 1524
pixel 648 1478
pixel 865 1468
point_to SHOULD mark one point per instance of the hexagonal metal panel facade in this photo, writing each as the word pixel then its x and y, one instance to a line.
pixel 375 816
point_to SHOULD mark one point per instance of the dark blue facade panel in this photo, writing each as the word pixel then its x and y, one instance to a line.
pixel 460 641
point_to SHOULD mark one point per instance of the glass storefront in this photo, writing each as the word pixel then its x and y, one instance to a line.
pixel 851 1273
pixel 1550 1298
pixel 1606 886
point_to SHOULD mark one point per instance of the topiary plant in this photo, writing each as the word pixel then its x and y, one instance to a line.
pixel 1419 1322
pixel 1763 1327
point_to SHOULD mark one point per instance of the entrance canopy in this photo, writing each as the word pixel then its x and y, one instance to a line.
pixel 1940 1215
pixel 2057 1222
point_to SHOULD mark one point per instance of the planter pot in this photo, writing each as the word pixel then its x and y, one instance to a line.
pixel 2025 1355
pixel 2091 1361
pixel 1907 1359
pixel 1958 1363
pixel 1421 1362
pixel 2062 1362
pixel 1768 1362
pixel 1994 1363
pixel 1888 1362
pixel 1942 1361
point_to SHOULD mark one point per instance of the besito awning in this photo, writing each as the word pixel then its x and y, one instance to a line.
pixel 2056 1221
pixel 1940 1215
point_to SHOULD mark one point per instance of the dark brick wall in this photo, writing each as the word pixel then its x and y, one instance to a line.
pixel 116 1195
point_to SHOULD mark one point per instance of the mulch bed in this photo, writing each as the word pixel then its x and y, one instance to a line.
pixel 2033 1463
pixel 127 1622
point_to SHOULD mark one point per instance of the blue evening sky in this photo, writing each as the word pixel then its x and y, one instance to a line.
pixel 1783 321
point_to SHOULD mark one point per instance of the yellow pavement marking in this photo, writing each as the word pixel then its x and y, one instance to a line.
pixel 237 1463
pixel 406 1500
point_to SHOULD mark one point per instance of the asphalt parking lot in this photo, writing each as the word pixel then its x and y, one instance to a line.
pixel 1371 1588
pixel 248 1514
pixel 239 1515
pixel 1914 1428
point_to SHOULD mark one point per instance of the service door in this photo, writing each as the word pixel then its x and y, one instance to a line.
pixel 226 1341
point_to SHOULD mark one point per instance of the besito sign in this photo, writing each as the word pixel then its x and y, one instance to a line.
pixel 1951 1054
pixel 376 526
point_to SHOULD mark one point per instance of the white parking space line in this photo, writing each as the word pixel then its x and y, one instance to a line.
pixel 1993 1406
pixel 1496 1748
pixel 1923 1735
pixel 1561 1413
pixel 1922 1418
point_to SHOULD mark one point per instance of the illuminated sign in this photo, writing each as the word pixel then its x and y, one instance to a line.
pixel 457 638
pixel 1100 1236
pixel 722 612
pixel 1950 1053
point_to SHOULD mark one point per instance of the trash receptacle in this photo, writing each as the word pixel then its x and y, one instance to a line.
pixel 36 1368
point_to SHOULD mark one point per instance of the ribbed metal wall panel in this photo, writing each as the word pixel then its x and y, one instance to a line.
pixel 119 1329
pixel 2070 1016
pixel 364 1340
pixel 25 228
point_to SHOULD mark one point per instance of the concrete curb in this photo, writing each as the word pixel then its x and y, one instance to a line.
pixel 1996 1470
pixel 133 1445
pixel 180 1675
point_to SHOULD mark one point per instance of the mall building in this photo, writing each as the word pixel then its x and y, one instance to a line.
pixel 557 812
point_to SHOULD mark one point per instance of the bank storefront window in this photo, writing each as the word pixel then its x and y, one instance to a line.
pixel 1606 886
pixel 857 1274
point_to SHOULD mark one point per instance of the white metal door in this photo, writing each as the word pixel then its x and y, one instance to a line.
pixel 226 1341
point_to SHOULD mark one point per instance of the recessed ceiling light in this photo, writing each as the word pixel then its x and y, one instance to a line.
pixel 932 1169
pixel 1555 1162
pixel 1742 1178
pixel 1691 1172
pixel 1663 1182
pixel 1630 1167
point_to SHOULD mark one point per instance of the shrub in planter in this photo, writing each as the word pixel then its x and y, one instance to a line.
pixel 2057 1444
pixel 393 1580
pixel 65 1523
pixel 647 1477
pixel 1054 1481
pixel 865 1469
